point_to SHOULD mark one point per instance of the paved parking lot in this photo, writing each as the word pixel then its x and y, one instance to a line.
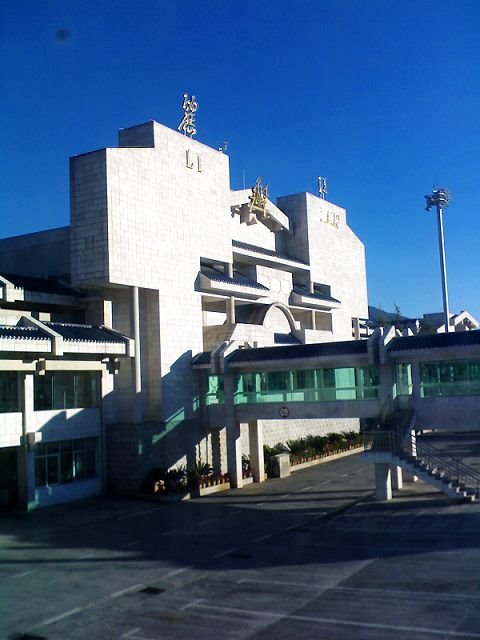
pixel 310 556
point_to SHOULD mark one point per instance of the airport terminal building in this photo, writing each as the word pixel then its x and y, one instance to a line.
pixel 175 320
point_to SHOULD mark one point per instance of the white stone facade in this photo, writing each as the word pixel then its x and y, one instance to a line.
pixel 170 256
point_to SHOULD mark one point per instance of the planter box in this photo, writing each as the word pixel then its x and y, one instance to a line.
pixel 333 456
pixel 206 491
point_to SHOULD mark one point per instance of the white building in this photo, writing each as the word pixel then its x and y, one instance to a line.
pixel 163 251
pixel 141 335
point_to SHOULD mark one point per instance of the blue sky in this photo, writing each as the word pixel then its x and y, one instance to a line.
pixel 381 97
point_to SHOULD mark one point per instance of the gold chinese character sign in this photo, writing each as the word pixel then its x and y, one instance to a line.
pixel 187 125
pixel 258 199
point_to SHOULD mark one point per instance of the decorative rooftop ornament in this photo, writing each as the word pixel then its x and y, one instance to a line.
pixel 258 199
pixel 322 187
pixel 187 125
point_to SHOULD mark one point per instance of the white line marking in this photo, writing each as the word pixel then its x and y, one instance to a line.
pixel 295 526
pixel 224 553
pixel 138 513
pixel 61 616
pixel 177 571
pixel 262 538
pixel 87 555
pixel 259 504
pixel 129 544
pixel 335 621
pixel 411 594
pixel 303 489
pixel 167 533
pixel 383 592
pixel 129 634
pixel 24 573
pixel 191 604
pixel 127 590
pixel 200 524
pixel 285 495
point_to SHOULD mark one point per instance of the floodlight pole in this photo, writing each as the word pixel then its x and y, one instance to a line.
pixel 440 198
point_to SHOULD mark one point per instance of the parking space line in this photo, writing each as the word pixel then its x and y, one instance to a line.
pixel 262 538
pixel 304 489
pixel 129 544
pixel 62 616
pixel 138 513
pixel 124 591
pixel 224 553
pixel 24 573
pixel 176 572
pixel 338 621
pixel 191 604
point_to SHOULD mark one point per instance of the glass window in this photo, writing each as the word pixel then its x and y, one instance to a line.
pixel 52 469
pixel 86 385
pixel 65 462
pixel 450 378
pixel 9 398
pixel 40 471
pixel 344 383
pixel 403 377
pixel 215 393
pixel 66 390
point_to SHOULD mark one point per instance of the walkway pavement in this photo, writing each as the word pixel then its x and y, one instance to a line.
pixel 310 556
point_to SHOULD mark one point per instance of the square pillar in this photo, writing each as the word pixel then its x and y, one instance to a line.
pixel 26 455
pixel 234 455
pixel 397 476
pixel 257 462
pixel 383 481
pixel 234 447
pixel 217 439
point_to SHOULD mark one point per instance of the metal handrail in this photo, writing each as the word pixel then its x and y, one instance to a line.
pixel 427 454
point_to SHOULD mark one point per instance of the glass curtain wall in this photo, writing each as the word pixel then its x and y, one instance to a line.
pixel 450 378
pixel 312 385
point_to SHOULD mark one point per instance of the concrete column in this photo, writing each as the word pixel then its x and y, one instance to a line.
pixel 107 313
pixel 217 439
pixel 356 328
pixel 416 381
pixel 230 303
pixel 234 449
pixel 383 481
pixel 137 405
pixel 106 388
pixel 257 462
pixel 234 455
pixel 26 456
pixel 413 450
pixel 230 310
pixel 397 476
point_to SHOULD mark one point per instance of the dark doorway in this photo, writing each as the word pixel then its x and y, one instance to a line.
pixel 8 477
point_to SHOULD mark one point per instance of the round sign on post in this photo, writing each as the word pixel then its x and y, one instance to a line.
pixel 284 412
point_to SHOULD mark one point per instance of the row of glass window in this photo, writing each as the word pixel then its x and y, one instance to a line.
pixel 441 378
pixel 312 385
pixel 54 390
pixel 66 461
pixel 456 378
